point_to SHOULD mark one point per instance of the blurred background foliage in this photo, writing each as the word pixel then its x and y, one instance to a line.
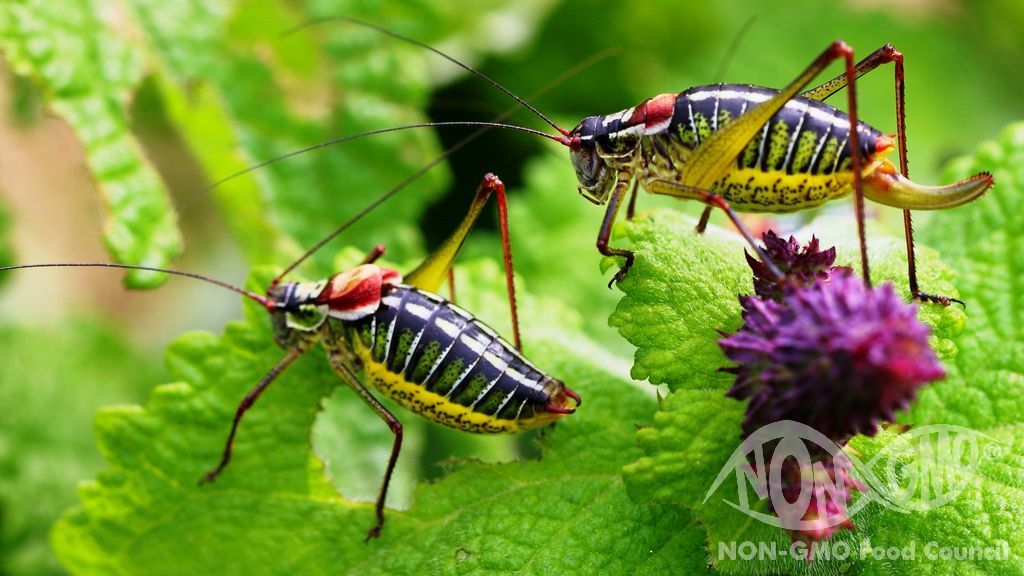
pixel 156 99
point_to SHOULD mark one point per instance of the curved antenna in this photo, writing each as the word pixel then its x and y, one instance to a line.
pixel 269 305
pixel 413 41
pixel 733 47
pixel 359 215
pixel 333 141
pixel 496 122
pixel 484 127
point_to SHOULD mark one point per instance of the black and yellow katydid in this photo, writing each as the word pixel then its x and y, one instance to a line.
pixel 737 147
pixel 416 347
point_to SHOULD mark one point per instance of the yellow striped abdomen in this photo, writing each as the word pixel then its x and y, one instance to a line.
pixel 439 361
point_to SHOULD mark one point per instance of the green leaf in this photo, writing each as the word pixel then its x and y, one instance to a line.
pixel 87 79
pixel 53 380
pixel 567 513
pixel 986 514
pixel 681 289
pixel 694 433
pixel 982 242
pixel 695 430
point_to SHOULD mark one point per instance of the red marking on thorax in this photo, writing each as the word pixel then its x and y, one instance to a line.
pixel 659 110
pixel 358 290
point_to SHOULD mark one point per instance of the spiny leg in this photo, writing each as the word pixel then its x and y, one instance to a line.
pixel 431 273
pixel 908 225
pixel 714 200
pixel 857 161
pixel 495 185
pixel 247 403
pixel 614 201
pixel 885 55
pixel 341 368
pixel 915 290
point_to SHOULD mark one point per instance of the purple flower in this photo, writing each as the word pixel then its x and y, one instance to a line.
pixel 821 348
pixel 831 489
pixel 800 267
pixel 836 356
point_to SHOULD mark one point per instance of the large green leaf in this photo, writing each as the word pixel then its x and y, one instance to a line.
pixel 696 430
pixel 568 512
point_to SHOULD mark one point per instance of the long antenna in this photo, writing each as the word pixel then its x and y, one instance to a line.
pixel 484 127
pixel 257 297
pixel 340 140
pixel 453 60
pixel 733 47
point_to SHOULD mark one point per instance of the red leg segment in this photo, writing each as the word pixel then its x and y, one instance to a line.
pixel 247 403
pixel 495 185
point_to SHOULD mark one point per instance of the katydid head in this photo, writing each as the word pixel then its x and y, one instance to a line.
pixel 297 307
pixel 595 178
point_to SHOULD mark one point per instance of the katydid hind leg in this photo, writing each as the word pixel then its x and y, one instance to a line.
pixel 432 273
pixel 713 200
pixel 856 160
pixel 498 189
pixel 435 269
pixel 885 55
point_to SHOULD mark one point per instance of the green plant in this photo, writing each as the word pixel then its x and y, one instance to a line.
pixel 603 497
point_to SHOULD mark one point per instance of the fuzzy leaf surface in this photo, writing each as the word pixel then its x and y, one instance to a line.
pixel 695 430
pixel 567 513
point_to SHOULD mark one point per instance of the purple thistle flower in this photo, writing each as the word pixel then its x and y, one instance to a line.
pixel 835 355
pixel 823 349
pixel 800 267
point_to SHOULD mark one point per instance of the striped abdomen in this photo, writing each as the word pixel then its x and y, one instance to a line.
pixel 439 361
pixel 800 158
